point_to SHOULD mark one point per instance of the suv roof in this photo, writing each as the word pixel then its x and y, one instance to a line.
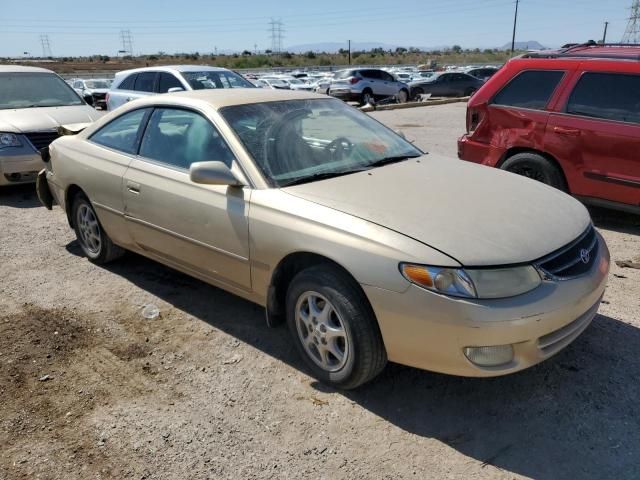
pixel 612 51
pixel 172 69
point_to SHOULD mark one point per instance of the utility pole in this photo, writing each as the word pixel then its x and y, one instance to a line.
pixel 46 46
pixel 275 27
pixel 127 42
pixel 349 52
pixel 604 35
pixel 515 23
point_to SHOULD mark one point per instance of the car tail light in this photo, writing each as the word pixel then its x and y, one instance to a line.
pixel 354 80
pixel 474 117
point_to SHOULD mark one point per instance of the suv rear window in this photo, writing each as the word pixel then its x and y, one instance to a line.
pixel 127 83
pixel 344 74
pixel 531 89
pixel 611 96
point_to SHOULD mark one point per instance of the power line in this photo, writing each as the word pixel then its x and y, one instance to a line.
pixel 632 32
pixel 46 46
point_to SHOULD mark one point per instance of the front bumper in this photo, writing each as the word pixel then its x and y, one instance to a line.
pixel 21 168
pixel 537 324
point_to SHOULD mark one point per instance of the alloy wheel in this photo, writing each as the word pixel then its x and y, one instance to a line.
pixel 89 229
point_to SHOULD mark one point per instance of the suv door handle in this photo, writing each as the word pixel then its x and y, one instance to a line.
pixel 133 187
pixel 573 132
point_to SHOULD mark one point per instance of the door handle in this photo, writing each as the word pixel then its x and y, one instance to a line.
pixel 573 132
pixel 133 187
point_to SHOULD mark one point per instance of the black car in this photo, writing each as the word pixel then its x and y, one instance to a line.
pixel 447 84
pixel 483 73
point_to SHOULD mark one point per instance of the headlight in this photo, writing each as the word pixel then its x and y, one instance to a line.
pixel 9 140
pixel 473 283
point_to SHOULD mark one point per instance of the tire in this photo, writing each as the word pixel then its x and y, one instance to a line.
pixel 348 327
pixel 417 92
pixel 367 97
pixel 403 96
pixel 536 167
pixel 93 240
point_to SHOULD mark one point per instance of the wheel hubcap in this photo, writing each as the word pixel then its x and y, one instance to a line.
pixel 531 172
pixel 89 229
pixel 321 331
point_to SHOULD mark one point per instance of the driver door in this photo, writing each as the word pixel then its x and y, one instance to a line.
pixel 200 228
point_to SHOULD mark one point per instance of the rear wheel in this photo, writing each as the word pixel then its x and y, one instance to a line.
pixel 417 92
pixel 334 328
pixel 93 240
pixel 367 97
pixel 535 166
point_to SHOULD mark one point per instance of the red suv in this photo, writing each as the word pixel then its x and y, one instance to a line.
pixel 568 118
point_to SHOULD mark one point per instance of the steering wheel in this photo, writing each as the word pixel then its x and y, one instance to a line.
pixel 339 147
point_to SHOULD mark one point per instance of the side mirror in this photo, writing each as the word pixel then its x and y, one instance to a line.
pixel 175 89
pixel 213 173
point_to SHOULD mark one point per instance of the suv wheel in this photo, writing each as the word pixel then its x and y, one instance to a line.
pixel 334 328
pixel 536 167
pixel 93 240
pixel 403 96
pixel 367 97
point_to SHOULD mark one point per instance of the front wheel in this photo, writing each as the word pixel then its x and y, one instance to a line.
pixel 334 327
pixel 93 240
pixel 403 96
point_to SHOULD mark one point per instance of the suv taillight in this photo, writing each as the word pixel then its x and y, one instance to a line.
pixel 106 97
pixel 354 80
pixel 474 117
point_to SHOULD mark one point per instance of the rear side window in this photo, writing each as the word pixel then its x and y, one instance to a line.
pixel 144 82
pixel 344 74
pixel 532 89
pixel 609 96
pixel 168 81
pixel 122 133
pixel 127 83
pixel 376 74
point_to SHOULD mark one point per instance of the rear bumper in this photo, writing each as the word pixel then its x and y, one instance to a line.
pixel 20 168
pixel 345 95
pixel 478 152
pixel 429 331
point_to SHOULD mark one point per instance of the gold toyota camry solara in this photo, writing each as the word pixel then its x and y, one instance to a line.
pixel 368 248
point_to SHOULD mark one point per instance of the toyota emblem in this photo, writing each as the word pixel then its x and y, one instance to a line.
pixel 585 256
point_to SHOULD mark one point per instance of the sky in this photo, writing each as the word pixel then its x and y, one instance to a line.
pixel 94 26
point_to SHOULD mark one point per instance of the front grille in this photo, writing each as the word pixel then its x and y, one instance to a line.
pixel 555 341
pixel 41 139
pixel 573 260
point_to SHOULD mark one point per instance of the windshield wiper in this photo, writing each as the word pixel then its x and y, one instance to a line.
pixel 320 176
pixel 388 160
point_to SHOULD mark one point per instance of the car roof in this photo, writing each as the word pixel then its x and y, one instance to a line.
pixel 22 69
pixel 225 97
pixel 173 69
pixel 617 51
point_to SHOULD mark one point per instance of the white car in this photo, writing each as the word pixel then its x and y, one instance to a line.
pixel 141 82
pixel 94 90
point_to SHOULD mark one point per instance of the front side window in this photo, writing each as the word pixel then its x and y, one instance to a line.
pixel 530 89
pixel 610 96
pixel 122 133
pixel 78 85
pixel 144 82
pixel 299 140
pixel 181 137
pixel 215 79
pixel 167 81
pixel 35 89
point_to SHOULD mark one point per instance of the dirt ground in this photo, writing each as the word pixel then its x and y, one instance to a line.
pixel 89 389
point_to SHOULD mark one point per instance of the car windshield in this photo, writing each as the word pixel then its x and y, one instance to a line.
pixel 303 140
pixel 215 79
pixel 97 83
pixel 34 89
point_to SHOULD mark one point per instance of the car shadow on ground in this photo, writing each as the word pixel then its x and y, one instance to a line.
pixel 19 196
pixel 617 221
pixel 574 416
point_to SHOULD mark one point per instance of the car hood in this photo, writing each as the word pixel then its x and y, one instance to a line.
pixel 45 118
pixel 478 215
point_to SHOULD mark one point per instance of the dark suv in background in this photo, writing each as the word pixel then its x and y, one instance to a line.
pixel 569 118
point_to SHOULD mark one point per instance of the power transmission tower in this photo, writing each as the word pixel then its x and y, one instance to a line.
pixel 46 46
pixel 277 30
pixel 632 33
pixel 127 42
